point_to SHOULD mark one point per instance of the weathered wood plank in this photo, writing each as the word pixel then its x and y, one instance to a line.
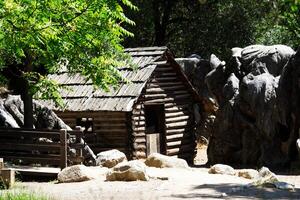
pixel 8 177
pixel 1 163
pixel 63 149
pixel 30 147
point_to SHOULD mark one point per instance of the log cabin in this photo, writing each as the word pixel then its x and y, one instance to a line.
pixel 153 112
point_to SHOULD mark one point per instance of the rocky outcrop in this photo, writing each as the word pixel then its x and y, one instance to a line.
pixel 12 115
pixel 257 121
pixel 162 161
pixel 75 173
pixel 110 158
pixel 128 171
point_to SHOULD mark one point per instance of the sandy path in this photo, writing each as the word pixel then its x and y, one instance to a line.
pixel 182 184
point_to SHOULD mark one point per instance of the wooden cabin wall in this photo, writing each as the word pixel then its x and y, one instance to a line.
pixel 166 87
pixel 110 129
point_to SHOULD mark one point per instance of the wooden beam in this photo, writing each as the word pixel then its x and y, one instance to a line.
pixel 63 149
pixel 1 163
pixel 8 177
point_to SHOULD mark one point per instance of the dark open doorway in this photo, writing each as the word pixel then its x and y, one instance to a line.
pixel 155 128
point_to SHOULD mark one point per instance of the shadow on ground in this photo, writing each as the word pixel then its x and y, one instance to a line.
pixel 234 191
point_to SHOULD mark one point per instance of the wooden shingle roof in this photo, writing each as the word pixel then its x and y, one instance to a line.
pixel 82 96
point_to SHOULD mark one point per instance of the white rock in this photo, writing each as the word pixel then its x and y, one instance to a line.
pixel 162 161
pixel 110 158
pixel 284 186
pixel 247 173
pixel 75 173
pixel 221 169
pixel 128 171
pixel 266 177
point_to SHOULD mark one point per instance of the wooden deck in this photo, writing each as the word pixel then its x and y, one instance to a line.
pixel 36 171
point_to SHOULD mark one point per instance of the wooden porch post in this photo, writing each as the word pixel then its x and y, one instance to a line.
pixel 63 149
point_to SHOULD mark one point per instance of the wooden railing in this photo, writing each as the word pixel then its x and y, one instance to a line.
pixel 41 147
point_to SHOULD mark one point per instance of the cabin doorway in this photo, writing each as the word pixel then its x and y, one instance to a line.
pixel 155 128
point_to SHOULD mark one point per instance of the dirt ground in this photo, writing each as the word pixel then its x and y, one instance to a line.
pixel 194 183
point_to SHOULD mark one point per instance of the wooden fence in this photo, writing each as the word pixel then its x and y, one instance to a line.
pixel 42 147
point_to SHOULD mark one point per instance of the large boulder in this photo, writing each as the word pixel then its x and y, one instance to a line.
pixel 75 173
pixel 162 161
pixel 222 169
pixel 110 158
pixel 134 170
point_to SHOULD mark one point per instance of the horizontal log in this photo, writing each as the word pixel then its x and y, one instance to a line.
pixel 178 124
pixel 139 140
pixel 30 157
pixel 139 129
pixel 159 101
pixel 138 117
pixel 177 119
pixel 181 150
pixel 139 134
pixel 30 136
pixel 139 146
pixel 154 84
pixel 166 79
pixel 139 154
pixel 176 114
pixel 164 74
pixel 178 143
pixel 170 106
pixel 164 69
pixel 110 124
pixel 111 130
pixel 110 119
pixel 138 123
pixel 175 136
pixel 93 114
pixel 175 131
pixel 29 147
pixel 155 96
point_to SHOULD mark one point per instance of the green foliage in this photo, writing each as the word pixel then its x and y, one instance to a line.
pixel 21 195
pixel 215 26
pixel 74 35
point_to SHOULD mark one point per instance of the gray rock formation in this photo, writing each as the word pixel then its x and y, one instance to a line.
pixel 12 115
pixel 196 70
pixel 257 121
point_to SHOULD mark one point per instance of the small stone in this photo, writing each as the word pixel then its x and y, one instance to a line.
pixel 221 169
pixel 284 186
pixel 248 173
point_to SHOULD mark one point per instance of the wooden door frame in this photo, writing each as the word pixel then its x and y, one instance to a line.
pixel 162 125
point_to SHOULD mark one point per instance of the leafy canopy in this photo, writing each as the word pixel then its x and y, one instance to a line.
pixel 77 35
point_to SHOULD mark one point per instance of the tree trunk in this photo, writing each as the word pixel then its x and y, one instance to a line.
pixel 161 12
pixel 28 108
pixel 27 97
